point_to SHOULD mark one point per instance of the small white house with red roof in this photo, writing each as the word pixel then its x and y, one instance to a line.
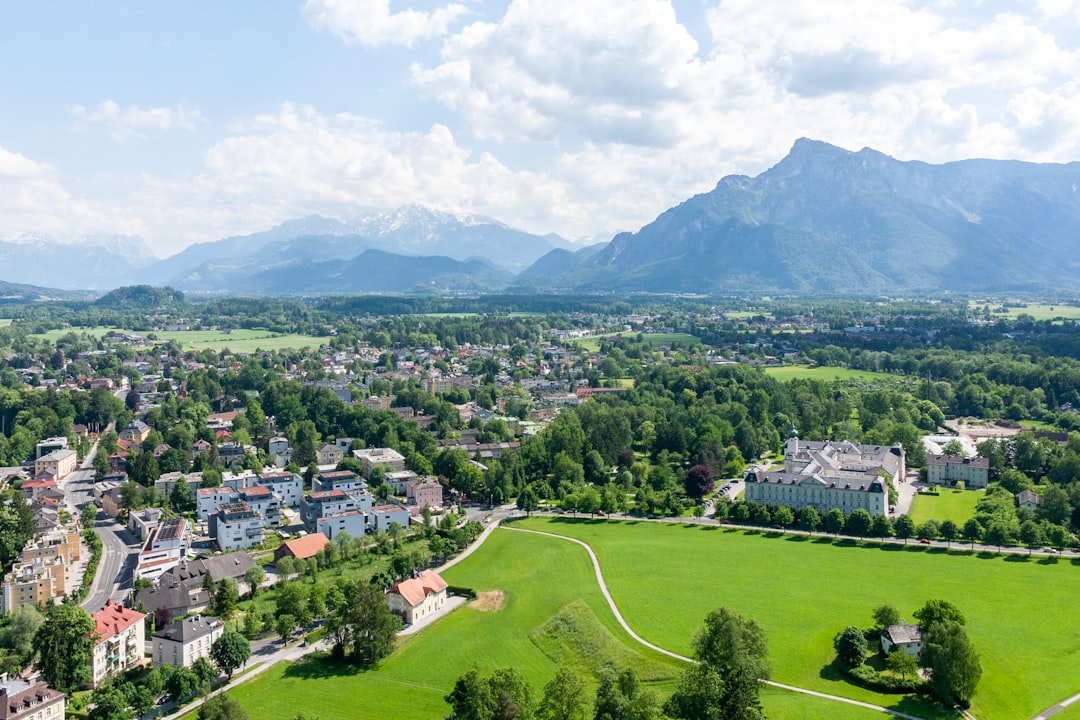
pixel 119 640
pixel 417 597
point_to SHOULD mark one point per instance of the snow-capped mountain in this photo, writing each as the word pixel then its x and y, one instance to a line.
pixel 91 262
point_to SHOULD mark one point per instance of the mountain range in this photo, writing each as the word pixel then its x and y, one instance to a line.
pixel 822 220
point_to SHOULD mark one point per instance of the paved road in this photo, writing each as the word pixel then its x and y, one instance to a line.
pixel 657 648
pixel 118 549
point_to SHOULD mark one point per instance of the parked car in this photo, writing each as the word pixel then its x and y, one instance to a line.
pixel 924 541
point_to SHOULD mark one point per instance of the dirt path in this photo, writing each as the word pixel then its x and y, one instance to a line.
pixel 683 658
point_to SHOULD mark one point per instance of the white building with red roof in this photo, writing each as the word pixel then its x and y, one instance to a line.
pixel 418 597
pixel 119 640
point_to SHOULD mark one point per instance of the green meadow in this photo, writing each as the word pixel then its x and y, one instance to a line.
pixel 553 614
pixel 805 372
pixel 96 331
pixel 654 340
pixel 1040 311
pixel 665 577
pixel 948 504
pixel 240 340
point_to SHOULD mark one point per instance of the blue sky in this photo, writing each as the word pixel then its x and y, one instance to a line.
pixel 187 122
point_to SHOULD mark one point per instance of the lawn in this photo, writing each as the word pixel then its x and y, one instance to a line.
pixel 97 331
pixel 240 340
pixel 804 591
pixel 1041 311
pixel 805 372
pixel 553 613
pixel 948 504
pixel 553 609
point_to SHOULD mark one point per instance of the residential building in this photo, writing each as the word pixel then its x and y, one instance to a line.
pixel 1028 500
pixel 289 487
pixel 417 597
pixel 380 517
pixel 32 583
pixel 180 590
pixel 58 464
pixel 302 548
pixel 425 492
pixel 263 502
pixel 136 432
pixel 120 641
pixel 386 458
pixel 344 480
pixel 235 526
pixel 974 472
pixel 329 455
pixel 828 475
pixel 399 480
pixel 208 500
pixel 183 642
pixel 333 525
pixel 316 505
pixel 30 700
pixel 908 638
pixel 166 547
pixel 48 445
pixel 141 522
pixel 279 451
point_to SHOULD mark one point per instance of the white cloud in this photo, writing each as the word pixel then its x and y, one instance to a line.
pixel 370 22
pixel 135 121
pixel 614 70
pixel 14 165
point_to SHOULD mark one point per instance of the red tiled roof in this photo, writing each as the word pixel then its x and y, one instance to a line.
pixel 414 590
pixel 114 619
pixel 307 546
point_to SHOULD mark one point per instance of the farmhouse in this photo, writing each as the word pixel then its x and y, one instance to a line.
pixel 949 469
pixel 908 638
pixel 828 475
pixel 417 597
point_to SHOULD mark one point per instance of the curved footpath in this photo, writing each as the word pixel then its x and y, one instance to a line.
pixel 657 648
pixel 1051 711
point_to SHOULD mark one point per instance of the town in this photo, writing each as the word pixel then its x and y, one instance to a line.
pixel 175 514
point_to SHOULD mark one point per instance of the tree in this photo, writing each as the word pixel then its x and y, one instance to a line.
pixel 886 616
pixel 18 635
pixel 850 645
pixel 284 624
pixel 88 515
pixel 65 647
pixel 973 531
pixel 471 698
pixel 949 531
pixel 230 651
pixel 182 497
pixel 860 522
pixel 834 521
pixel 620 697
pixel 902 664
pixel 363 623
pixel 564 697
pixel 904 527
pixel 205 672
pixel 997 534
pixel 938 611
pixel 254 577
pixel 225 599
pixel 728 641
pixel 954 664
pixel 503 696
pixel 181 684
pixel 109 703
pixel 1032 535
pixel 221 707
pixel 699 482
pixel 1054 506
pixel 882 527
pixel 809 519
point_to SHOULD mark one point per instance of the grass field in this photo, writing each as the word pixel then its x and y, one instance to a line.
pixel 553 613
pixel 4 322
pixel 805 591
pixel 803 372
pixel 240 340
pixel 1040 311
pixel 948 504
pixel 654 340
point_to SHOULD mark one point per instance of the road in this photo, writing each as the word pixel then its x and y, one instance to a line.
pixel 118 550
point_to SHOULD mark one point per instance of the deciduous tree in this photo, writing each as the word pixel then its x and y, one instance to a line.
pixel 230 651
pixel 65 647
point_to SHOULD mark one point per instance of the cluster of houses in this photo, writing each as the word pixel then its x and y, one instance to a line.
pixel 43 572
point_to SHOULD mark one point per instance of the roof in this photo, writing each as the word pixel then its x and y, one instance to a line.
pixel 416 589
pixel 903 634
pixel 114 619
pixel 1027 496
pixel 189 629
pixel 19 696
pixel 389 509
pixel 258 491
pixel 328 495
pixel 307 546
pixel 979 462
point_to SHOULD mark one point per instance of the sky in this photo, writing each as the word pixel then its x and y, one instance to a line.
pixel 189 122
